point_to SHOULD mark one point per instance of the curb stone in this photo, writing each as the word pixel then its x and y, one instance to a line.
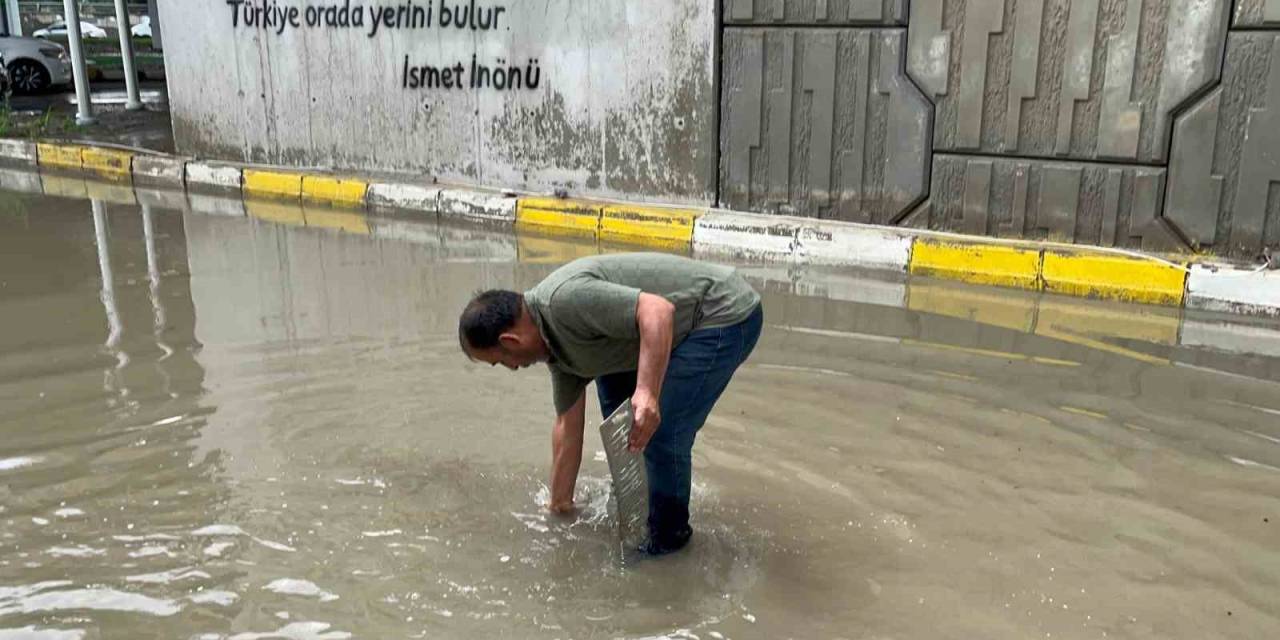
pixel 1081 270
pixel 409 197
pixel 21 152
pixel 477 205
pixel 213 175
pixel 159 170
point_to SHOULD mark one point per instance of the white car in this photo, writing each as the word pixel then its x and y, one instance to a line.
pixel 59 28
pixel 34 64
pixel 142 29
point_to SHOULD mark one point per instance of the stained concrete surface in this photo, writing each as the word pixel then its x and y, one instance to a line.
pixel 148 128
pixel 255 426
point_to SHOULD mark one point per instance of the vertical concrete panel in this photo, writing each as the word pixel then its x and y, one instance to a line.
pixel 1082 24
pixel 779 100
pixel 742 93
pixel 1259 159
pixel 1121 118
pixel 1072 79
pixel 1059 202
pixel 905 141
pixel 624 106
pixel 977 197
pixel 1025 60
pixel 818 81
pixel 1083 202
pixel 929 48
pixel 981 20
pixel 1257 13
pixel 1226 192
pixel 821 123
pixel 1195 187
pixel 815 12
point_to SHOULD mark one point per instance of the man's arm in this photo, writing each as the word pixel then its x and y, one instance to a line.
pixel 566 454
pixel 655 318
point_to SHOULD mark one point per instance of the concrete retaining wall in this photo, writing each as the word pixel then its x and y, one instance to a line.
pixel 612 100
pixel 1139 124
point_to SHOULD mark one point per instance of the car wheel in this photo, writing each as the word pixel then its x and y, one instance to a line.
pixel 28 76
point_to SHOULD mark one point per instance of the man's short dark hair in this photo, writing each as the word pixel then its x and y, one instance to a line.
pixel 487 316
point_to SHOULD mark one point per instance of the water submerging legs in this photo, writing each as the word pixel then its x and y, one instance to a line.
pixel 282 439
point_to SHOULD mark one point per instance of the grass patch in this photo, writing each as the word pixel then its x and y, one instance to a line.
pixel 19 124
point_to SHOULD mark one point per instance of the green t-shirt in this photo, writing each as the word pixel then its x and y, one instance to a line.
pixel 586 311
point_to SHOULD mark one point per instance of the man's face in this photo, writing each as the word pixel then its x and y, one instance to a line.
pixel 510 353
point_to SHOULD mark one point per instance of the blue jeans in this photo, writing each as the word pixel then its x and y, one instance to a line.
pixel 698 372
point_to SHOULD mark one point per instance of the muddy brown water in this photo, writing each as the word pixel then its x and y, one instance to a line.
pixel 261 426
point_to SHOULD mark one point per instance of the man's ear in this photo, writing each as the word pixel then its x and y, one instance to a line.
pixel 509 340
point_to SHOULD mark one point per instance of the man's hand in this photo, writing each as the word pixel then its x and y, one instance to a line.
pixel 646 417
pixel 562 508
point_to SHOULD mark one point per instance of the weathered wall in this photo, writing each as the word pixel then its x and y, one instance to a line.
pixel 1134 123
pixel 624 102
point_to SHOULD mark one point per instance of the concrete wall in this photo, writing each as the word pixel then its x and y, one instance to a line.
pixel 624 102
pixel 1135 123
pixel 1146 124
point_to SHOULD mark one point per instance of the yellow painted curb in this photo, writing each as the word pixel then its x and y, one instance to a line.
pixel 279 212
pixel 638 223
pixel 575 216
pixel 277 184
pixel 977 263
pixel 344 221
pixel 62 156
pixel 109 163
pixel 339 191
pixel 1113 277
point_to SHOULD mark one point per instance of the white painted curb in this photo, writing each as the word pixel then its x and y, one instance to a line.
pixel 846 244
pixel 18 151
pixel 745 235
pixel 801 240
pixel 218 176
pixel 402 196
pixel 477 205
pixel 160 170
pixel 1233 290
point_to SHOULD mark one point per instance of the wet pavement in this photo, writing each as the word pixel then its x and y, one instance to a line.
pixel 231 421
pixel 148 128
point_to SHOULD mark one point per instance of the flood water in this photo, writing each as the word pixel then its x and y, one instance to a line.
pixel 218 425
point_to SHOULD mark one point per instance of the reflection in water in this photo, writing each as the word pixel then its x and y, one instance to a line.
pixel 295 448
pixel 114 327
pixel 157 301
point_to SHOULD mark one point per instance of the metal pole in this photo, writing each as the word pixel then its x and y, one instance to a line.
pixel 126 55
pixel 15 17
pixel 84 109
